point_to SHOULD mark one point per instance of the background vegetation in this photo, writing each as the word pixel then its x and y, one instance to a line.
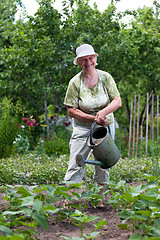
pixel 36 65
pixel 37 54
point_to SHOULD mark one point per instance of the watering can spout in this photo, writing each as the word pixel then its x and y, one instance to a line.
pixel 81 161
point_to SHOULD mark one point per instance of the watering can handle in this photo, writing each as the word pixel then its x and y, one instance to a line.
pixel 91 133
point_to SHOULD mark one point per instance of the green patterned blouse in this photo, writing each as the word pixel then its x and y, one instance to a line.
pixel 91 100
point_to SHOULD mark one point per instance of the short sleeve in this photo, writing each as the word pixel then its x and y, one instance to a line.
pixel 72 93
pixel 110 85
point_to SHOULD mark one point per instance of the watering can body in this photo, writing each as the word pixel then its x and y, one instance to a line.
pixel 103 148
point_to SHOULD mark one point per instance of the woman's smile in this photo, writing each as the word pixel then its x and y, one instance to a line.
pixel 87 62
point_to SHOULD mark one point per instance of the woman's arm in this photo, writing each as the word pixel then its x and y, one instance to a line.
pixel 100 117
pixel 80 115
pixel 113 106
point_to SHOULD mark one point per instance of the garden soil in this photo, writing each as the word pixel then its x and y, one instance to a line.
pixel 66 228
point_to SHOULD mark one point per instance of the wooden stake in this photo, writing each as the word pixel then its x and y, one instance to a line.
pixel 157 118
pixel 130 129
pixel 138 125
pixel 152 119
pixel 134 124
pixel 141 137
pixel 147 112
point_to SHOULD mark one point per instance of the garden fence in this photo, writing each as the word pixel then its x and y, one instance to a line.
pixel 144 126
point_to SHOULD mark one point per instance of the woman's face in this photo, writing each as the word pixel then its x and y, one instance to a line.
pixel 87 63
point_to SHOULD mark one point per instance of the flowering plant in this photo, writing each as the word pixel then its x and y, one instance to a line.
pixel 30 122
pixel 24 139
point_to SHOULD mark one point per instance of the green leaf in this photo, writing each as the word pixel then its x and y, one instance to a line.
pixel 136 190
pixel 41 219
pixel 91 235
pixel 123 226
pixel 16 237
pixel 51 208
pixel 91 218
pixel 5 230
pixel 12 212
pixel 37 206
pixel 153 238
pixel 24 192
pixel 100 224
pixel 146 213
pixel 125 214
pixel 65 194
pixel 96 196
pixel 73 238
pixel 154 206
pixel 27 201
pixel 73 184
pixel 136 236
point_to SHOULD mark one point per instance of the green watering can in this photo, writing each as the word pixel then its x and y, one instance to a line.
pixel 102 146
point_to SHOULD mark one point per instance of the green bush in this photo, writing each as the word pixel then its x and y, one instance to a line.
pixel 8 128
pixel 153 148
pixel 56 145
pixel 21 144
pixel 61 140
pixel 121 140
pixel 62 132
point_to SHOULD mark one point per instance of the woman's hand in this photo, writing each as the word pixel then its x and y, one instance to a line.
pixel 113 106
pixel 100 118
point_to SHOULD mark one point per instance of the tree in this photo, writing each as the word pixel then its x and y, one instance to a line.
pixel 37 63
pixel 36 72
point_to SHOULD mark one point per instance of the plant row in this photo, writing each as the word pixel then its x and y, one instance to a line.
pixel 139 206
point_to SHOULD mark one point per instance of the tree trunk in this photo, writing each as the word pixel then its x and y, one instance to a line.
pixel 127 108
pixel 56 119
pixel 46 115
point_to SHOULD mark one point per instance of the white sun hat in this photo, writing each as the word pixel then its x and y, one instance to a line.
pixel 84 50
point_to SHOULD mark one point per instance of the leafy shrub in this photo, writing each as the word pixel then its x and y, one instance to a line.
pixel 56 145
pixel 153 148
pixel 62 132
pixel 8 128
pixel 21 144
pixel 61 140
pixel 121 140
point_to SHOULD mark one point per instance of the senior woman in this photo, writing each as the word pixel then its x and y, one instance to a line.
pixel 91 95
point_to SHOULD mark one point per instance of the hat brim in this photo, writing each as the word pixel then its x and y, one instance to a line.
pixel 75 60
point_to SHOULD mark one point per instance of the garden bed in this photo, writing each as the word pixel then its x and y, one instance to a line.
pixel 66 228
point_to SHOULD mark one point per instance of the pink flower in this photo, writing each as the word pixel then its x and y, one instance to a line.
pixel 29 123
pixel 25 119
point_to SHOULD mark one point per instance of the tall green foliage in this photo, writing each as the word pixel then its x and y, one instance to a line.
pixel 8 128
